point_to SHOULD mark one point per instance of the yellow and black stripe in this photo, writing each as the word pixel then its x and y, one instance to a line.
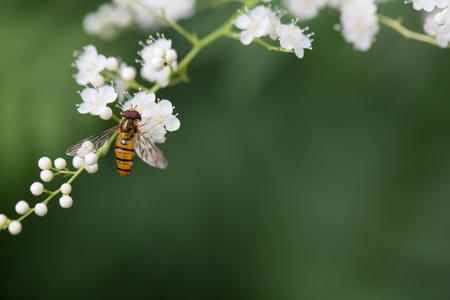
pixel 124 155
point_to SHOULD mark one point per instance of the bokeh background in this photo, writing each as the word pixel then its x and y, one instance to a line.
pixel 321 178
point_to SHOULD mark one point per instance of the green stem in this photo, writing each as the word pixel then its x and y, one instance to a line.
pixel 397 26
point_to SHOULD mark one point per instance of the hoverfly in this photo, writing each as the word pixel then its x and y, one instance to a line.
pixel 130 138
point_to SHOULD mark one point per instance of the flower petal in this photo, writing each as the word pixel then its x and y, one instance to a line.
pixel 172 123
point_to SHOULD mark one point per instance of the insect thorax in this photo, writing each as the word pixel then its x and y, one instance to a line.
pixel 128 125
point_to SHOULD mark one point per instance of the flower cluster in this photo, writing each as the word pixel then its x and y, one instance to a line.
pixel 158 60
pixel 48 171
pixel 157 116
pixel 262 21
pixel 113 17
pixel 359 23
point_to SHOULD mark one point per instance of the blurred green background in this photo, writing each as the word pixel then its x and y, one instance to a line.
pixel 321 178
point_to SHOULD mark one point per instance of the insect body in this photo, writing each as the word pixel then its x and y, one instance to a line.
pixel 130 139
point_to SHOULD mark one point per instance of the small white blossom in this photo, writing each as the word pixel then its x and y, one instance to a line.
pixel 171 56
pixel 91 169
pixel 46 175
pixel 108 20
pixel 60 163
pixel 77 162
pixel 359 23
pixel 91 158
pixel 66 201
pixel 159 52
pixel 431 27
pixel 305 9
pixel 40 209
pixel 37 188
pixel 147 53
pixel 66 188
pixel 15 227
pixel 44 163
pixel 157 63
pixel 3 220
pixel 96 100
pixel 106 114
pixel 112 63
pixel 292 38
pixel 22 207
pixel 255 23
pixel 128 73
pixel 174 9
pixel 429 5
pixel 89 65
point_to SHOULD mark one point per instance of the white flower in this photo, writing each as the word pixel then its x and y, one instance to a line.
pixel 95 100
pixel 22 207
pixel 77 162
pixel 91 158
pixel 156 117
pixel 66 201
pixel 255 23
pixel 60 163
pixel 91 169
pixel 40 209
pixel 66 188
pixel 150 51
pixel 107 20
pixel 174 9
pixel 429 5
pixel 359 23
pixel 3 220
pixel 37 188
pixel 44 163
pixel 161 121
pixel 89 65
pixel 292 37
pixel 305 9
pixel 46 175
pixel 431 27
pixel 444 29
pixel 15 227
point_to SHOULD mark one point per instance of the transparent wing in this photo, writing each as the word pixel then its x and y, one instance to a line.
pixel 149 153
pixel 98 141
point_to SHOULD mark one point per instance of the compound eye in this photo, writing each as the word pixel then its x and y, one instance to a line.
pixel 132 114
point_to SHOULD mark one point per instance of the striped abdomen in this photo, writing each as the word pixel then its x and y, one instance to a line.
pixel 124 155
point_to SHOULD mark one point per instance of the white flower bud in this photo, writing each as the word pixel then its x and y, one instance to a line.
pixel 46 175
pixel 159 52
pixel 91 158
pixel 157 63
pixel 40 209
pixel 66 201
pixel 15 227
pixel 171 56
pixel 112 64
pixel 3 220
pixel 60 163
pixel 77 162
pixel 22 207
pixel 106 113
pixel 37 188
pixel 128 73
pixel 439 19
pixel 44 163
pixel 66 188
pixel 98 80
pixel 91 169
